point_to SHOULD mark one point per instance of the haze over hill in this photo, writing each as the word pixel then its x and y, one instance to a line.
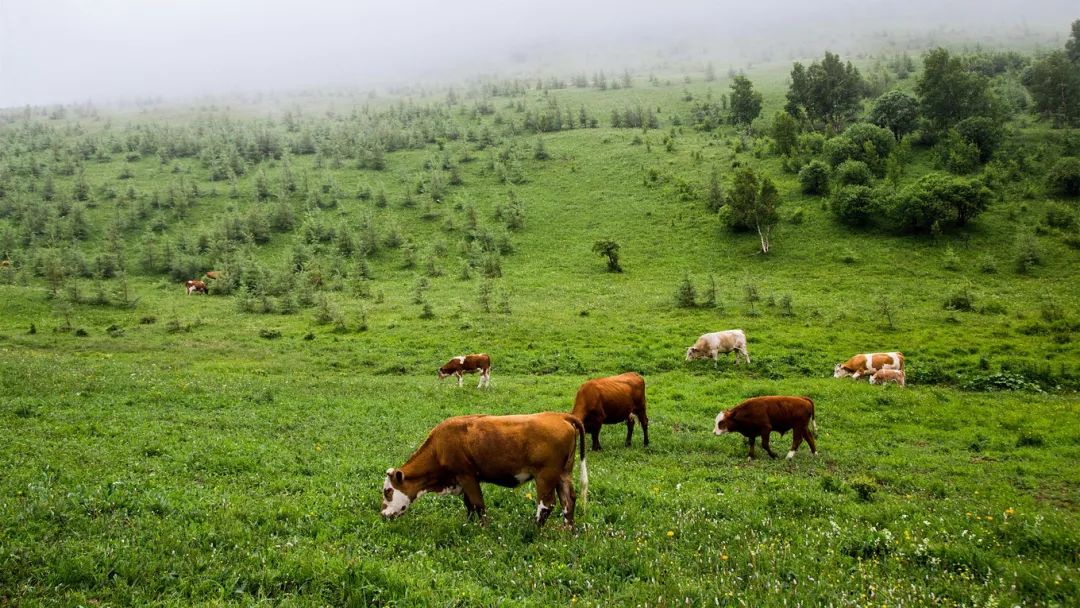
pixel 69 51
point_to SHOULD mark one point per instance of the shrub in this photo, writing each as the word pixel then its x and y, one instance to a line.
pixel 854 205
pixel 957 154
pixel 950 261
pixel 1028 253
pixel 987 264
pixel 609 249
pixel 853 173
pixel 814 178
pixel 865 487
pixel 1004 381
pixel 839 149
pixel 872 144
pixel 940 199
pixel 1064 177
pixel 269 334
pixel 685 294
pixel 1060 216
pixel 961 300
pixel 983 132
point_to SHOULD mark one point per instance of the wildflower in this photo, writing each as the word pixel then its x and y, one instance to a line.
pixel 670 533
pixel 989 518
pixel 1010 511
pixel 723 557
pixel 528 495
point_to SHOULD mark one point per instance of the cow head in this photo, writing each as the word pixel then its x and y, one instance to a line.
pixel 397 495
pixel 840 371
pixel 723 423
pixel 441 374
pixel 693 353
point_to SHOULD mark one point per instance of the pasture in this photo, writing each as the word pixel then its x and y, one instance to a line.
pixel 230 449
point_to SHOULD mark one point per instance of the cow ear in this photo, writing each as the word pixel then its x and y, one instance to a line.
pixel 399 476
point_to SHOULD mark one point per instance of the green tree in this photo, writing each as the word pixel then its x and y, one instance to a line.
pixel 714 194
pixel 785 132
pixel 896 111
pixel 938 201
pixel 829 91
pixel 1054 84
pixel 1072 46
pixel 949 91
pixel 745 102
pixel 609 249
pixel 814 178
pixel 753 204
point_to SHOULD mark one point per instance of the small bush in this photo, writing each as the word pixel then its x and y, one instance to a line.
pixel 853 173
pixel 987 264
pixel 865 487
pixel 1064 177
pixel 961 300
pixel 849 257
pixel 147 320
pixel 854 205
pixel 269 334
pixel 1030 439
pixel 814 178
pixel 685 293
pixel 1004 381
pixel 950 261
pixel 1060 216
pixel 1028 253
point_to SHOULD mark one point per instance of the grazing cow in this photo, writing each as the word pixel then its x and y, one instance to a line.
pixel 196 287
pixel 213 274
pixel 760 416
pixel 610 401
pixel 5 263
pixel 883 376
pixel 463 451
pixel 712 345
pixel 866 365
pixel 468 364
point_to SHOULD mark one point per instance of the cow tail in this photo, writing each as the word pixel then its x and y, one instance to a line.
pixel 813 420
pixel 584 481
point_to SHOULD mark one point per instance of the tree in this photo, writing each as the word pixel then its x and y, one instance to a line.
pixel 983 132
pixel 938 201
pixel 829 91
pixel 1054 84
pixel 814 178
pixel 896 111
pixel 753 204
pixel 609 249
pixel 1072 47
pixel 714 194
pixel 854 205
pixel 949 91
pixel 1064 177
pixel 785 132
pixel 745 102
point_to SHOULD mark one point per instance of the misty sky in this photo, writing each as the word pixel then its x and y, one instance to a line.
pixel 104 50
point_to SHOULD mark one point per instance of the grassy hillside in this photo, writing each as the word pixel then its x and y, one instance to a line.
pixel 230 449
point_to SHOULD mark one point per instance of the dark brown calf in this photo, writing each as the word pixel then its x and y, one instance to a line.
pixel 463 451
pixel 762 415
pixel 463 364
pixel 612 400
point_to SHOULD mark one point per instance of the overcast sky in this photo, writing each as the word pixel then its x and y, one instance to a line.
pixel 103 50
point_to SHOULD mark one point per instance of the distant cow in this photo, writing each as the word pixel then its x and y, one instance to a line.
pixel 866 365
pixel 712 345
pixel 196 287
pixel 762 415
pixel 468 364
pixel 463 451
pixel 883 376
pixel 610 401
pixel 213 274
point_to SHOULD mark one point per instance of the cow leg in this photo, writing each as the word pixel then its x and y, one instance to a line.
pixel 745 355
pixel 595 439
pixel 716 360
pixel 750 442
pixel 460 379
pixel 629 428
pixel 567 497
pixel 593 424
pixel 765 441
pixel 796 440
pixel 810 441
pixel 644 420
pixel 545 493
pixel 470 488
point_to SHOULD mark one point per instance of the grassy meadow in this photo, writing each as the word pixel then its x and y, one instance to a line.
pixel 160 449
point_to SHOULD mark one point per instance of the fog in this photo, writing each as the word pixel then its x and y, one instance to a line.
pixel 55 51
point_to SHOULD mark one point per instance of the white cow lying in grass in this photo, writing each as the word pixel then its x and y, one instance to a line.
pixel 712 345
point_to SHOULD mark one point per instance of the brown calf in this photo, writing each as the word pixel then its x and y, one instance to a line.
pixel 196 287
pixel 468 364
pixel 883 376
pixel 463 451
pixel 762 415
pixel 213 274
pixel 610 401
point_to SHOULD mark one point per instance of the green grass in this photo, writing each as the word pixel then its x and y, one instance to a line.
pixel 212 456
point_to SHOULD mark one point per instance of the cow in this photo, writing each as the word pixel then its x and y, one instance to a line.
pixel 196 287
pixel 213 274
pixel 883 376
pixel 712 345
pixel 612 400
pixel 468 364
pixel 463 451
pixel 760 416
pixel 866 365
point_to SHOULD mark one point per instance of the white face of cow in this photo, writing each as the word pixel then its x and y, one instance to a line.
pixel 691 354
pixel 840 372
pixel 441 374
pixel 720 429
pixel 394 501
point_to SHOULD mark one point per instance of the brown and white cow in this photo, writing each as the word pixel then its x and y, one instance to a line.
pixel 884 376
pixel 866 365
pixel 196 287
pixel 760 416
pixel 612 400
pixel 463 364
pixel 719 342
pixel 461 452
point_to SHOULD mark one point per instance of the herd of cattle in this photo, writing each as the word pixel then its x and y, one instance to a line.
pixel 463 451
